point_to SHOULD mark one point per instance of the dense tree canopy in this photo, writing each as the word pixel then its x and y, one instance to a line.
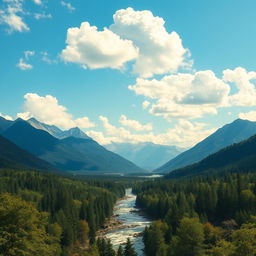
pixel 211 215
pixel 52 215
pixel 23 229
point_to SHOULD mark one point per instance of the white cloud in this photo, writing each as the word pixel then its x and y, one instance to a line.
pixel 27 54
pixel 183 95
pixel 97 49
pixel 39 16
pixel 39 2
pixel 45 58
pixel 251 116
pixel 246 95
pixel 6 117
pixel 159 51
pixel 68 6
pixel 84 122
pixel 135 35
pixel 101 138
pixel 171 110
pixel 23 65
pixel 12 14
pixel 183 134
pixel 145 104
pixel 134 124
pixel 48 110
pixel 25 115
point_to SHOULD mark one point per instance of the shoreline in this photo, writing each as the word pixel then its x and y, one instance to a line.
pixel 113 223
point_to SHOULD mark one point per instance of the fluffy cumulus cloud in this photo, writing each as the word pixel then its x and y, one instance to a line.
pixel 48 110
pixel 134 35
pixel 245 86
pixel 134 124
pixel 183 134
pixel 183 95
pixel 159 51
pixel 251 116
pixel 97 49
pixel 171 110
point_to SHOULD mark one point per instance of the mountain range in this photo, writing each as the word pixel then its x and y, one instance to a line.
pixel 71 153
pixel 57 132
pixel 45 146
pixel 227 135
pixel 147 155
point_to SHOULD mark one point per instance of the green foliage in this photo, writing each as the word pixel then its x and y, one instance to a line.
pixel 23 229
pixel 189 207
pixel 189 238
pixel 128 249
pixel 244 240
pixel 154 239
pixel 120 251
pixel 75 209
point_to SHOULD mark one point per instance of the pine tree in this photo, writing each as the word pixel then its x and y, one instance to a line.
pixel 120 251
pixel 129 250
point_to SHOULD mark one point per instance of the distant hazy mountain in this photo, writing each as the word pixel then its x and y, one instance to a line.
pixel 70 154
pixel 227 135
pixel 146 155
pixel 239 157
pixel 12 156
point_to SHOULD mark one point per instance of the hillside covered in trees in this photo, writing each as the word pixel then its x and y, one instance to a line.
pixel 44 214
pixel 200 216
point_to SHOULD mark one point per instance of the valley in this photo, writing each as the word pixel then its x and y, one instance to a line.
pixel 127 128
pixel 202 209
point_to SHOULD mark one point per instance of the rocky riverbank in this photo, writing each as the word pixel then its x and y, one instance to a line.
pixel 127 222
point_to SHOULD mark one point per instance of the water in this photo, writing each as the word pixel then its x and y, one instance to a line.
pixel 134 223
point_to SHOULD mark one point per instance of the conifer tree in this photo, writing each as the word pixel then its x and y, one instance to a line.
pixel 120 251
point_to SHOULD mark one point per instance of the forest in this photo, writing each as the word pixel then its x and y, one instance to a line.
pixel 43 214
pixel 211 215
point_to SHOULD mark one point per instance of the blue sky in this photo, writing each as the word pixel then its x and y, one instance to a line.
pixel 169 72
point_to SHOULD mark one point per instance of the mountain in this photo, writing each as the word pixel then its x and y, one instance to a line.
pixel 239 157
pixel 12 156
pixel 52 129
pixel 69 154
pixel 146 155
pixel 57 132
pixel 4 124
pixel 227 135
pixel 73 132
pixel 29 138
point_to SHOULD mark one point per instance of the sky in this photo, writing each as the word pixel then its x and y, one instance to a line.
pixel 169 72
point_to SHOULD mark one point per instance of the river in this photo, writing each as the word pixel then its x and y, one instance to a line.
pixel 133 223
